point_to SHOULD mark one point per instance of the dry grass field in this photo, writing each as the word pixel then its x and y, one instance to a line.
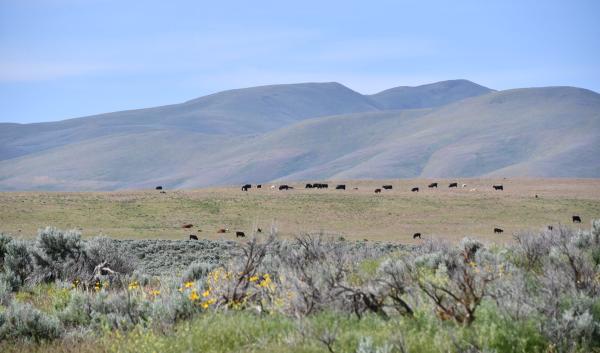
pixel 393 215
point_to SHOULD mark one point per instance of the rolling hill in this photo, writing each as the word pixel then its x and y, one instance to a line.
pixel 313 131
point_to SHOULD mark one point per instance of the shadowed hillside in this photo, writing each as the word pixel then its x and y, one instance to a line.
pixel 313 131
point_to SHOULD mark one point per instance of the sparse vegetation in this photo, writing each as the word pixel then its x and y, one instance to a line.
pixel 309 294
pixel 392 216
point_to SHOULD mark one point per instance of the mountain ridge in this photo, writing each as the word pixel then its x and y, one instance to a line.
pixel 548 131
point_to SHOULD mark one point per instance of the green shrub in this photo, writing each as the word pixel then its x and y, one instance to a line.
pixel 18 262
pixel 4 240
pixel 22 321
pixel 197 271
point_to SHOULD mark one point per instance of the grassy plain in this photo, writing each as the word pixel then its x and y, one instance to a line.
pixel 393 215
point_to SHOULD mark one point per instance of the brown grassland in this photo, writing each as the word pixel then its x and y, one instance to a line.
pixel 393 215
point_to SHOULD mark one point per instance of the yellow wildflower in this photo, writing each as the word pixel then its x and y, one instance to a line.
pixel 188 284
pixel 133 285
pixel 266 281
pixel 155 292
pixel 194 295
pixel 205 293
pixel 253 279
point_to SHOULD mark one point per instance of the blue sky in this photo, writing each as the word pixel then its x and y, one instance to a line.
pixel 67 58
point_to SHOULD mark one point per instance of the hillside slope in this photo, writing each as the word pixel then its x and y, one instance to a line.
pixel 543 132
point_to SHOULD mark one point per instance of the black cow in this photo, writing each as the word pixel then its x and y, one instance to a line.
pixel 414 189
pixel 377 191
pixel 320 186
pixel 417 235
pixel 259 186
pixel 284 187
pixel 259 230
pixel 576 219
pixel 453 185
pixel 246 187
pixel 239 234
pixel 193 237
pixel 158 187
pixel 498 187
pixel 387 187
pixel 550 228
pixel 308 186
pixel 432 185
pixel 341 187
pixel 498 230
pixel 163 192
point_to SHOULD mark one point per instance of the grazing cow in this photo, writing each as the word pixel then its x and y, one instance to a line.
pixel 576 219
pixel 246 187
pixel 341 187
pixel 453 185
pixel 498 187
pixel 239 234
pixel 417 235
pixel 498 230
pixel 158 187
pixel 308 186
pixel 473 189
pixel 320 186
pixel 536 196
pixel 259 186
pixel 550 228
pixel 377 191
pixel 163 192
pixel 284 187
pixel 355 188
pixel 387 187
pixel 414 189
pixel 432 185
pixel 187 226
pixel 259 230
pixel 223 230
pixel 464 185
pixel 272 187
pixel 193 237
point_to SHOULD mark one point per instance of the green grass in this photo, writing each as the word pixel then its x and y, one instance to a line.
pixel 355 214
pixel 246 332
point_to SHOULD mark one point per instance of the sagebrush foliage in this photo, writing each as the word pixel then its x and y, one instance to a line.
pixel 540 294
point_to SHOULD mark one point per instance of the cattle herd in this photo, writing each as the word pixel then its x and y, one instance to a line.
pixel 246 187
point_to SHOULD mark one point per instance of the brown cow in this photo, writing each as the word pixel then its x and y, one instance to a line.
pixel 187 226
pixel 193 237
pixel 417 235
pixel 223 230
pixel 377 191
pixel 433 185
